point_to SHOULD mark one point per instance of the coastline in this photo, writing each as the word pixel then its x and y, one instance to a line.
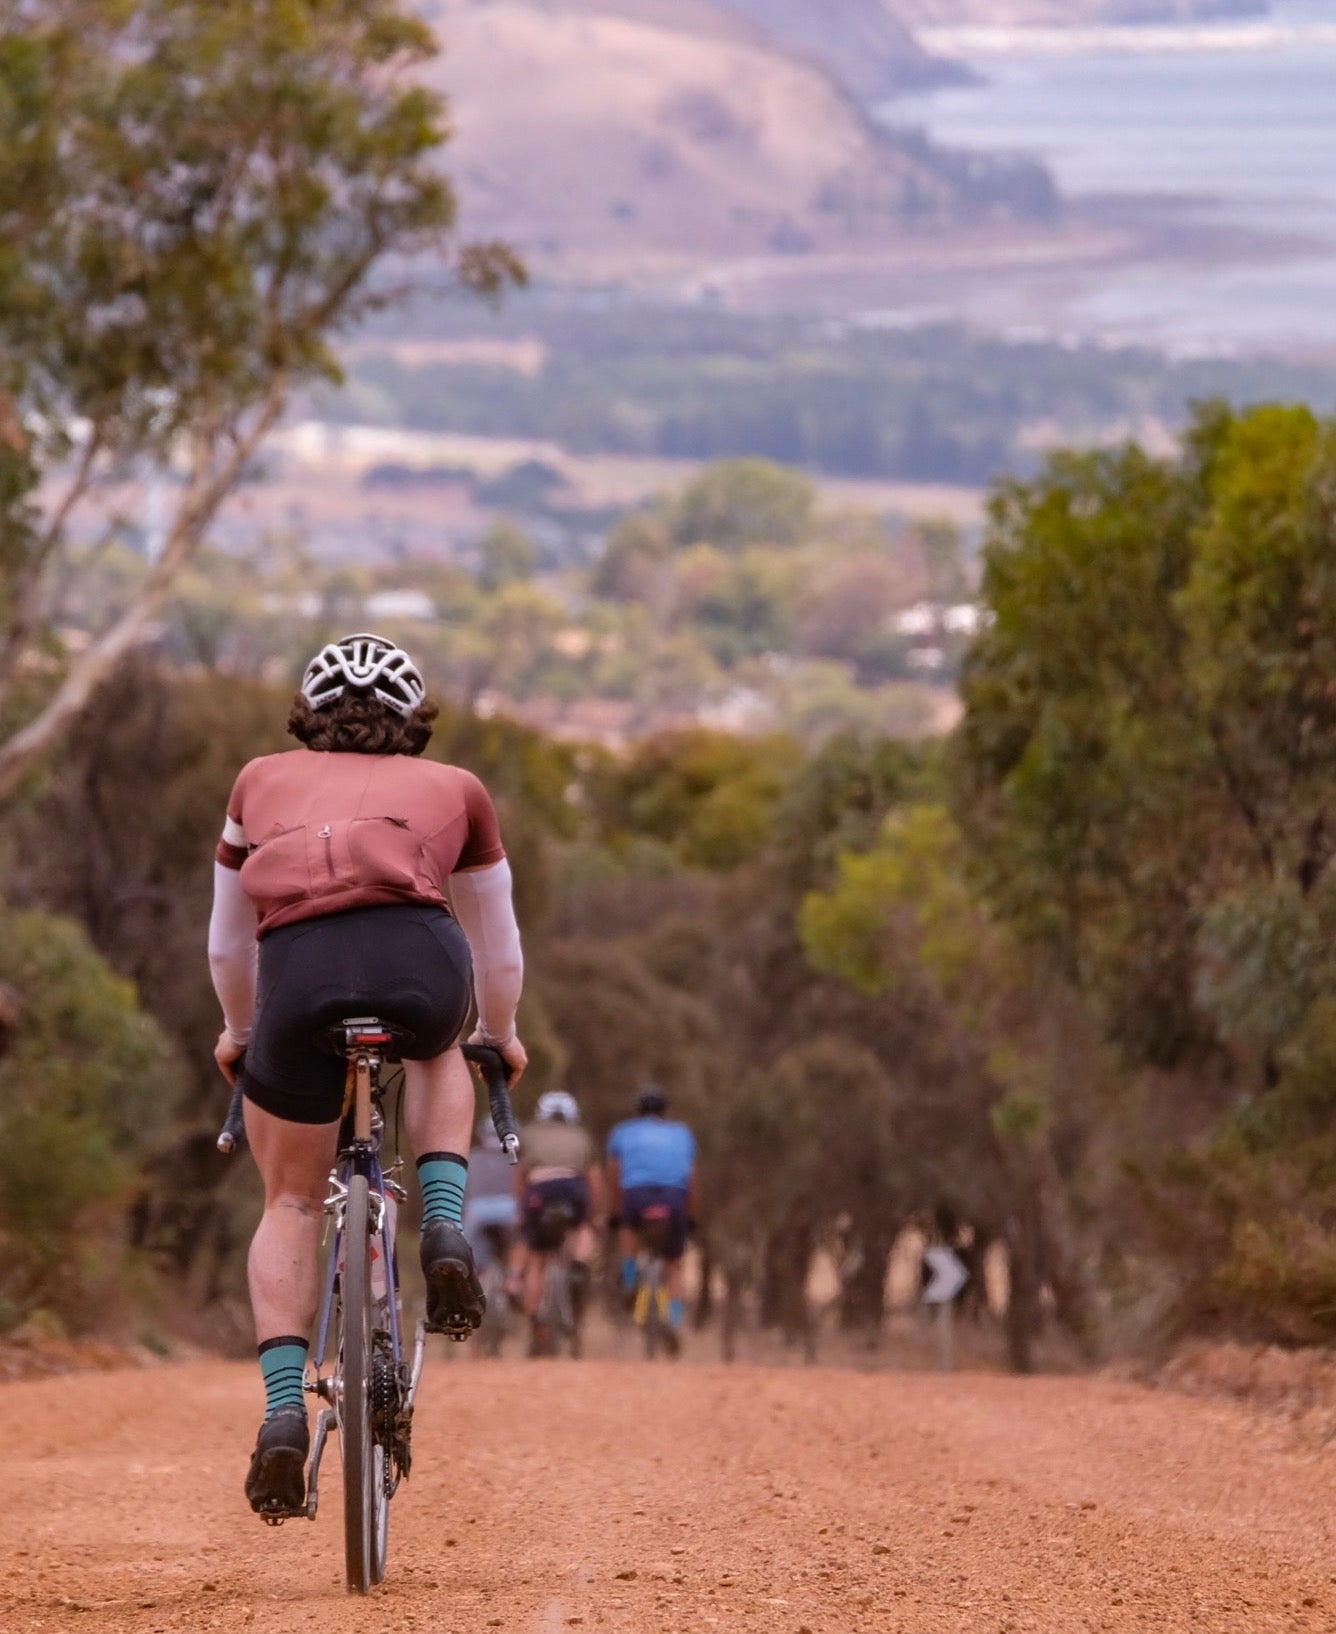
pixel 1205 152
pixel 1124 39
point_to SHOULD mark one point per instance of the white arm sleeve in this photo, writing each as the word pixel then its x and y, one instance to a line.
pixel 233 952
pixel 481 900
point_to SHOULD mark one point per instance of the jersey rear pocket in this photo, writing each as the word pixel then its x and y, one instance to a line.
pixel 386 851
pixel 278 873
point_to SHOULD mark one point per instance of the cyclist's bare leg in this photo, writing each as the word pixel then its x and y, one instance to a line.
pixel 438 1104
pixel 294 1160
pixel 516 1261
pixel 582 1244
pixel 534 1268
pixel 438 1119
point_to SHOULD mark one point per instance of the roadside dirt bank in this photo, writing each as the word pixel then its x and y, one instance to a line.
pixel 630 1498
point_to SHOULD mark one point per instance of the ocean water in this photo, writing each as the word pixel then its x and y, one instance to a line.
pixel 1232 123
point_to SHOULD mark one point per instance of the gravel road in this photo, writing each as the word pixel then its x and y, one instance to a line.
pixel 661 1500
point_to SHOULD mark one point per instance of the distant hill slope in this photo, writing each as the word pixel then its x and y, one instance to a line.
pixel 863 42
pixel 614 145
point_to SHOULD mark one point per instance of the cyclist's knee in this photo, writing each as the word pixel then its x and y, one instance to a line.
pixel 309 1205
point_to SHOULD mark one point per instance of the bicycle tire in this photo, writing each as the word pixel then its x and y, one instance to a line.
pixel 653 1338
pixel 363 1538
pixel 576 1336
pixel 554 1311
pixel 496 1322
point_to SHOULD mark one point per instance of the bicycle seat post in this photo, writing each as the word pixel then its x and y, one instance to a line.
pixel 362 1097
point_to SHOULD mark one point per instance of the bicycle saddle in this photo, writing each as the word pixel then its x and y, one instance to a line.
pixel 388 1040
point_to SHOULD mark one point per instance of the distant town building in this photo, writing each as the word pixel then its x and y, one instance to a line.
pixel 400 604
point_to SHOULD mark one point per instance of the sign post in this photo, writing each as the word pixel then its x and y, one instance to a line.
pixel 948 1277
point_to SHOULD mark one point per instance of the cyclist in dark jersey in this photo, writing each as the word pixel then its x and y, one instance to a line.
pixel 330 900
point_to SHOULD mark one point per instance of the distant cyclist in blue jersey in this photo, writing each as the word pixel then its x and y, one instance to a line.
pixel 652 1166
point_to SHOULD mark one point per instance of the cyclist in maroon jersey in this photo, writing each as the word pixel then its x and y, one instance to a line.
pixel 330 900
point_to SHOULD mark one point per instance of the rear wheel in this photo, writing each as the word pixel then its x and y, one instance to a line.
pixel 496 1321
pixel 649 1303
pixel 555 1310
pixel 365 1502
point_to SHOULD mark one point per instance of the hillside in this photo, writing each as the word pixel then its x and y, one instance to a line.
pixel 610 140
pixel 862 42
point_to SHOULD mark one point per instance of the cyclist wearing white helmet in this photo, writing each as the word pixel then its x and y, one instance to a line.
pixel 330 886
pixel 559 1170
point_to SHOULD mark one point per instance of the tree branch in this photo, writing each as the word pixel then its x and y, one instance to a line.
pixel 23 619
pixel 27 746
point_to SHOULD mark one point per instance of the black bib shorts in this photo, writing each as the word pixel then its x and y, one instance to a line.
pixel 403 963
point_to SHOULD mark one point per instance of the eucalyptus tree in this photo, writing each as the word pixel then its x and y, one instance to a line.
pixel 196 201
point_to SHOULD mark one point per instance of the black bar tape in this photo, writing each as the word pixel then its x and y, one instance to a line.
pixel 496 1075
pixel 233 1134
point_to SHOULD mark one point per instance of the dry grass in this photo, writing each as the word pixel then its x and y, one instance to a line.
pixel 1297 1387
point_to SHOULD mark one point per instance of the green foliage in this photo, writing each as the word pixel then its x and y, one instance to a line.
pixel 193 199
pixel 1259 616
pixel 506 555
pixel 1145 771
pixel 710 797
pixel 800 637
pixel 621 1024
pixel 743 502
pixel 838 801
pixel 89 1083
pixel 198 191
pixel 122 834
pixel 738 607
pixel 631 568
pixel 937 404
pixel 822 1121
pixel 909 888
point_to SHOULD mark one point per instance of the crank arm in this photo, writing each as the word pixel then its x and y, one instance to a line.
pixel 323 1424
pixel 415 1374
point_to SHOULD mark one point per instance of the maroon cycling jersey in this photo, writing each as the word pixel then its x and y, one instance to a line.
pixel 315 832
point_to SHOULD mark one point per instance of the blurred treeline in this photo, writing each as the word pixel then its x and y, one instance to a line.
pixel 1062 983
pixel 737 597
pixel 938 403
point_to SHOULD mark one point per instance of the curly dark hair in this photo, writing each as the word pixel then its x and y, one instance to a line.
pixel 359 724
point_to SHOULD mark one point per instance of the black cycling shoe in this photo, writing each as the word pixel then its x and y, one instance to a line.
pixel 276 1481
pixel 455 1300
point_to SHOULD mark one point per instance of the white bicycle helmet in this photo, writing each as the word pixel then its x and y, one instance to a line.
pixel 556 1106
pixel 368 663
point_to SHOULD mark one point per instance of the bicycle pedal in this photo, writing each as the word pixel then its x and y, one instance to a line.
pixel 276 1517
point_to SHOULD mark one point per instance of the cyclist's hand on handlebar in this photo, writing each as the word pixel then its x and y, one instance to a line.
pixel 227 1054
pixel 513 1054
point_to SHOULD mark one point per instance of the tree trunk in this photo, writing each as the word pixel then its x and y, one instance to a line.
pixel 28 746
pixel 1022 1319
pixel 705 1293
pixel 863 1293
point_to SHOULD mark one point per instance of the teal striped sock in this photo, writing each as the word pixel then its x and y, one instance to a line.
pixel 283 1362
pixel 441 1176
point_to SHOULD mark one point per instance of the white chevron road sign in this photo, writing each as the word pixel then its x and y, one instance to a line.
pixel 949 1276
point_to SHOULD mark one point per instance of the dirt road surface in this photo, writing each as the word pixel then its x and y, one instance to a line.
pixel 657 1500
